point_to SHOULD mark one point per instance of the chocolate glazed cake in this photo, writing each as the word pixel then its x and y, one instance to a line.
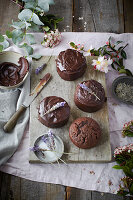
pixel 71 64
pixel 85 132
pixel 89 96
pixel 56 117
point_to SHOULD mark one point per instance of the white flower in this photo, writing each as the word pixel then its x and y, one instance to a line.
pixel 88 52
pixel 102 64
pixel 51 39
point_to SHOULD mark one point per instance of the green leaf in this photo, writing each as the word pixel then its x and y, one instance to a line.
pixel 37 56
pixel 118 42
pixel 121 61
pixel 122 71
pixel 17 36
pixel 72 44
pixel 34 27
pixel 120 48
pixel 1 48
pixel 30 38
pixel 25 14
pixel 123 54
pixel 128 72
pixel 46 28
pixel 28 48
pixel 117 167
pixel 18 25
pixel 128 133
pixel 9 34
pixel 36 19
pixel 5 44
pixel 30 4
pixel 44 4
pixel 96 53
pixel 131 189
pixel 1 38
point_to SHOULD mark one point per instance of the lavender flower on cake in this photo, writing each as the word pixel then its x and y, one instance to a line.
pixel 56 106
pixel 88 90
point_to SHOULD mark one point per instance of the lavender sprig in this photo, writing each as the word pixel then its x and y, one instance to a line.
pixel 88 90
pixel 56 106
pixel 40 68
pixel 52 141
pixel 35 148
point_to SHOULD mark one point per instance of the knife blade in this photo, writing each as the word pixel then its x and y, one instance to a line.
pixel 13 120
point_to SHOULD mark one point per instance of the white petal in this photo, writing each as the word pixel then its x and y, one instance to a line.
pixel 94 62
pixel 110 61
pixel 100 58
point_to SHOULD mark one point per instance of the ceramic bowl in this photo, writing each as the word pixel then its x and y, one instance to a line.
pixel 13 57
pixel 49 156
pixel 121 79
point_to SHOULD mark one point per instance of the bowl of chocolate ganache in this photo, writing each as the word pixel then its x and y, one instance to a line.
pixel 14 69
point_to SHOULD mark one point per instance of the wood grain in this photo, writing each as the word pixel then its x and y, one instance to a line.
pixel 63 8
pixel 56 88
pixel 83 20
pixel 128 16
pixel 8 11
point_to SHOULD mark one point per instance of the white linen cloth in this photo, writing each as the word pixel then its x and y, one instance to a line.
pixel 90 176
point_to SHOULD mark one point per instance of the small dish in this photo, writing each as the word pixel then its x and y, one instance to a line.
pixel 49 156
pixel 13 57
pixel 122 79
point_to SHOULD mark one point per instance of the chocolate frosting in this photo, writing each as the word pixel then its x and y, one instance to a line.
pixel 71 60
pixel 85 132
pixel 57 117
pixel 12 74
pixel 89 98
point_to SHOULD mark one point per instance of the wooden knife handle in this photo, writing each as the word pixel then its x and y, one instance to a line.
pixel 13 120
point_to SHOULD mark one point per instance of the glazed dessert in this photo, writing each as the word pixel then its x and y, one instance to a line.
pixel 85 132
pixel 71 64
pixel 89 96
pixel 53 112
pixel 12 74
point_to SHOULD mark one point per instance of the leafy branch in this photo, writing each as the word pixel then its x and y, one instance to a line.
pixel 116 53
pixel 31 18
pixel 109 51
pixel 124 158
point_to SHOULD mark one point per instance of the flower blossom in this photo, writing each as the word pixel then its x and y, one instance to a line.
pixel 88 52
pixel 51 39
pixel 102 64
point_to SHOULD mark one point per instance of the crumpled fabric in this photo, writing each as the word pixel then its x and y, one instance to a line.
pixel 90 176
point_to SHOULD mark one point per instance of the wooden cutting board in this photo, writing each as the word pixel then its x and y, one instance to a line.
pixel 65 89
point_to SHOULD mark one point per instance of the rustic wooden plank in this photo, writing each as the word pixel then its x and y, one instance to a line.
pixel 8 11
pixel 63 8
pixel 128 16
pixel 15 188
pixel 82 17
pixel 77 194
pixel 37 191
pixel 107 196
pixel 4 186
pixel 55 88
pixel 107 15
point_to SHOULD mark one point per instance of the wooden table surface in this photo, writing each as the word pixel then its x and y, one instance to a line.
pixel 79 15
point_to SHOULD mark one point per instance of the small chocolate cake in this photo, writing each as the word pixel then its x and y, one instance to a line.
pixel 89 96
pixel 53 112
pixel 85 132
pixel 71 64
